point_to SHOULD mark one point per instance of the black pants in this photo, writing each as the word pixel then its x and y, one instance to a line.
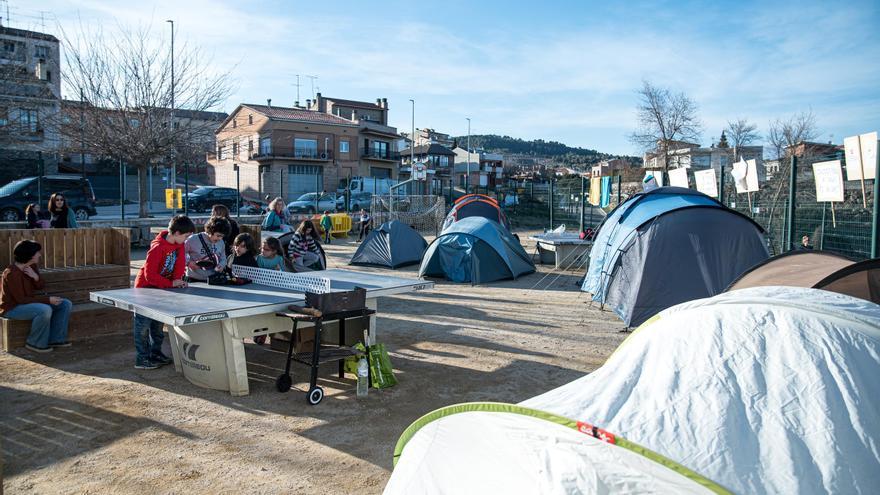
pixel 365 230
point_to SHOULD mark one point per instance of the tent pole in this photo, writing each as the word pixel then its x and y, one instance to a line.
pixel 550 202
pixel 583 189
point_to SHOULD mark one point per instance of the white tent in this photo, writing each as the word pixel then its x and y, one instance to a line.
pixel 763 390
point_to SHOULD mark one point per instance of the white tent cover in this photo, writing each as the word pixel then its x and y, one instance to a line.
pixel 763 390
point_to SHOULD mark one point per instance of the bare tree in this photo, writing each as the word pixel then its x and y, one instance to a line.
pixel 782 134
pixel 664 117
pixel 125 82
pixel 741 133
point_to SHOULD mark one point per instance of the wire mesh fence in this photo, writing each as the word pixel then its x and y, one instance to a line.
pixel 423 213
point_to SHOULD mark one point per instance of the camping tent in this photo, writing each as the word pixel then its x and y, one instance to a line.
pixel 668 246
pixel 762 390
pixel 393 244
pixel 475 250
pixel 816 269
pixel 476 205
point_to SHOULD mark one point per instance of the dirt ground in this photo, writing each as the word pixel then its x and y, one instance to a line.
pixel 83 420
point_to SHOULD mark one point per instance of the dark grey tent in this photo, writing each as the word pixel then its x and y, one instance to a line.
pixel 668 246
pixel 393 245
pixel 476 250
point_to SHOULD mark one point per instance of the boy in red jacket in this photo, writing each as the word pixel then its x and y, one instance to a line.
pixel 163 269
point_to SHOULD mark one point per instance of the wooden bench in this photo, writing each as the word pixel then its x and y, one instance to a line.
pixel 75 262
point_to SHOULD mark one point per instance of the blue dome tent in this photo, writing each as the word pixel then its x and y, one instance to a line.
pixel 475 250
pixel 668 246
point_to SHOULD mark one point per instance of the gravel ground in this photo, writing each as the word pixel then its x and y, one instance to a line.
pixel 83 420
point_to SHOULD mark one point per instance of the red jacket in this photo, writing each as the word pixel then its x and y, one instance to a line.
pixel 165 263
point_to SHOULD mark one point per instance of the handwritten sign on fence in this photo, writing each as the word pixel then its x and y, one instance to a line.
pixel 706 182
pixel 861 156
pixel 829 181
pixel 678 177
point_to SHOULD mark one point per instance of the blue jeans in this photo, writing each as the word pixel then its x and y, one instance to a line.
pixel 49 325
pixel 148 337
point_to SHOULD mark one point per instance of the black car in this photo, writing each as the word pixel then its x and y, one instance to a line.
pixel 16 195
pixel 203 198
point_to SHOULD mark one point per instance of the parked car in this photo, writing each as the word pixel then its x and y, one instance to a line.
pixel 306 203
pixel 357 201
pixel 16 195
pixel 203 198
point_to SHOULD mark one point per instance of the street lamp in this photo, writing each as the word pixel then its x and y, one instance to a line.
pixel 412 144
pixel 467 179
pixel 171 130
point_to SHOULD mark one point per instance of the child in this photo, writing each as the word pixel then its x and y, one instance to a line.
pixel 270 255
pixel 32 214
pixel 221 211
pixel 303 248
pixel 327 225
pixel 205 252
pixel 163 269
pixel 244 252
pixel 18 300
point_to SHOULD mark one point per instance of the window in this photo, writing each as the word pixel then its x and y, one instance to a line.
pixel 250 147
pixel 444 161
pixel 234 123
pixel 41 51
pixel 28 120
pixel 135 123
pixel 8 47
pixel 343 146
pixel 265 146
pixel 221 151
pixel 250 119
pixel 305 148
pixel 380 149
pixel 49 76
pixel 4 117
pixel 234 150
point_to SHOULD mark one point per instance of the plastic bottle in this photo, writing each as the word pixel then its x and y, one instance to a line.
pixel 363 378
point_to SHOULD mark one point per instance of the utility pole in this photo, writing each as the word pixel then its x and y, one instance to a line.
pixel 467 179
pixel 171 130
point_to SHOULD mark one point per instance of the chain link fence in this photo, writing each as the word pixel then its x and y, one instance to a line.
pixel 423 213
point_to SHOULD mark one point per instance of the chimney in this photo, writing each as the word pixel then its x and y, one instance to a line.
pixel 269 102
pixel 379 102
pixel 354 116
pixel 308 103
pixel 320 103
pixel 385 103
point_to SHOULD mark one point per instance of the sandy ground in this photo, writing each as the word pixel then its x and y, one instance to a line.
pixel 83 420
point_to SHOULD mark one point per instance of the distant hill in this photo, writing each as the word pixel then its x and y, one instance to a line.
pixel 552 150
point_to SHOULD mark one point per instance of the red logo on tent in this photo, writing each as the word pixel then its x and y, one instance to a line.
pixel 595 432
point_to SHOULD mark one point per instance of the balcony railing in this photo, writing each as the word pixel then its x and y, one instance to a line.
pixel 380 154
pixel 292 153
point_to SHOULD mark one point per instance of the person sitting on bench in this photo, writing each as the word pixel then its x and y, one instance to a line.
pixel 49 314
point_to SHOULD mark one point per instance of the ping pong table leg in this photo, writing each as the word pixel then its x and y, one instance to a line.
pixel 175 352
pixel 236 365
pixel 372 303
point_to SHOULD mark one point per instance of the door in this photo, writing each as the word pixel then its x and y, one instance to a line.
pixel 304 179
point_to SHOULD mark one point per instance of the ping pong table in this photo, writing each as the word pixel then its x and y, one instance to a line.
pixel 208 322
pixel 566 249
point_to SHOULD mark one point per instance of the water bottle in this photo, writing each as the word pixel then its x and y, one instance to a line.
pixel 363 377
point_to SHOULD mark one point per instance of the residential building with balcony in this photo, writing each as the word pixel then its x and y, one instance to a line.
pixel 694 156
pixel 486 169
pixel 438 159
pixel 30 101
pixel 290 151
pixel 429 136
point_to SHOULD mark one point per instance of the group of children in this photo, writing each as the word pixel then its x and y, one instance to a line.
pixel 178 256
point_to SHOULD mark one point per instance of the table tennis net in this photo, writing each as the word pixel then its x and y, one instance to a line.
pixel 285 280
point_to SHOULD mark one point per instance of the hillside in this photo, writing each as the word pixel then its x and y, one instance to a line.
pixel 552 150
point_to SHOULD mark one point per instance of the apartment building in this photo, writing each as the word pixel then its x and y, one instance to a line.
pixel 438 159
pixel 30 100
pixel 290 151
pixel 486 169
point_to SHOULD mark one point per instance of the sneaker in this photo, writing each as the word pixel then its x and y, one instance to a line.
pixel 145 365
pixel 60 344
pixel 161 359
pixel 41 350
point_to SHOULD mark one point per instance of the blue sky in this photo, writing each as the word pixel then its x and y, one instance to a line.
pixel 565 71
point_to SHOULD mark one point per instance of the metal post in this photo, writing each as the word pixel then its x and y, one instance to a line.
pixel 583 191
pixel 875 219
pixel 721 186
pixel 792 203
pixel 82 132
pixel 550 202
pixel 186 187
pixel 40 178
pixel 171 129
pixel 122 190
pixel 822 229
pixel 237 191
pixel 619 188
pixel 150 188
pixel 467 179
pixel 317 193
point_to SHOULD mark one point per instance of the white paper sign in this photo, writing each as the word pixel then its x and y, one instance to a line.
pixel 706 182
pixel 752 176
pixel 678 177
pixel 829 181
pixel 745 176
pixel 861 156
